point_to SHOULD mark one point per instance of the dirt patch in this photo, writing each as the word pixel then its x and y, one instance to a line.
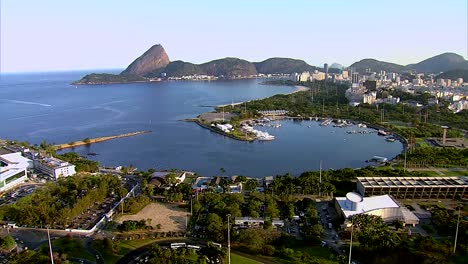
pixel 216 117
pixel 169 216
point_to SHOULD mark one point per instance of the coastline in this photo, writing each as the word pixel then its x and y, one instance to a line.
pixel 298 88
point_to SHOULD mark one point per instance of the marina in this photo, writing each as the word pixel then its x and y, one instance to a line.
pixel 90 111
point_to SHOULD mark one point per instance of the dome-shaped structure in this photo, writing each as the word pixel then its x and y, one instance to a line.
pixel 354 201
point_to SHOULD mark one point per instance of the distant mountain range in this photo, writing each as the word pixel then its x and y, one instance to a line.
pixel 156 61
pixel 437 64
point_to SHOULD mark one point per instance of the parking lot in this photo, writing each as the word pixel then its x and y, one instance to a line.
pixel 15 194
pixel 329 219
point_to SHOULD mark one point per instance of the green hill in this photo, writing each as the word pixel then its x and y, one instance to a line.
pixel 283 65
pixel 376 66
pixel 454 74
pixel 229 67
pixel 105 78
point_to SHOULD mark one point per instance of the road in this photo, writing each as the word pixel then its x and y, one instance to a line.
pixel 330 236
pixel 137 253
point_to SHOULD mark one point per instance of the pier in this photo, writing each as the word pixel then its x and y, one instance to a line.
pixel 89 141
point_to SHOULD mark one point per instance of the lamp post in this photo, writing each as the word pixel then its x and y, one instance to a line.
pixel 229 241
pixel 50 247
pixel 456 232
pixel 351 243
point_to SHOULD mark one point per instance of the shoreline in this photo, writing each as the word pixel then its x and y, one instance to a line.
pixel 298 88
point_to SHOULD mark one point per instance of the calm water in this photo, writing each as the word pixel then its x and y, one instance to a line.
pixel 36 107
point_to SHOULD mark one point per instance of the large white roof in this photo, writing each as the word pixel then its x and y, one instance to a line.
pixel 15 160
pixel 369 204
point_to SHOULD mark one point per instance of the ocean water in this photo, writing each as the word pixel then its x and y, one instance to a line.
pixel 44 106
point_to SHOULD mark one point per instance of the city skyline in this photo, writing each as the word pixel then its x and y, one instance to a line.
pixel 52 35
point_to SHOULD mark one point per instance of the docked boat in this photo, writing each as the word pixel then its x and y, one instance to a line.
pixel 381 133
pixel 362 125
pixel 266 138
pixel 378 159
pixel 326 122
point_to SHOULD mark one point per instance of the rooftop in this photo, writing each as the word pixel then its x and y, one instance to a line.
pixel 4 151
pixel 413 181
pixel 369 204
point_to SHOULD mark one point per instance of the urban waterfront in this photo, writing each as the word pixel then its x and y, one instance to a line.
pixel 38 107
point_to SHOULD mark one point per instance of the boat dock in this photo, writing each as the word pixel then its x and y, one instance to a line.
pixel 97 140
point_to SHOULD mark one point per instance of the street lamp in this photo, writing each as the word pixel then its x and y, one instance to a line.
pixel 456 232
pixel 229 240
pixel 351 243
pixel 50 247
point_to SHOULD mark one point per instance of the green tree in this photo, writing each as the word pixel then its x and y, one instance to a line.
pixel 214 227
pixel 7 243
pixel 251 184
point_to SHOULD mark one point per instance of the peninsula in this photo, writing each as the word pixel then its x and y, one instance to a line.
pixel 155 65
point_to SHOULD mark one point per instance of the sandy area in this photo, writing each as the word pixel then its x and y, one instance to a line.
pixel 171 217
pixel 299 88
pixel 213 117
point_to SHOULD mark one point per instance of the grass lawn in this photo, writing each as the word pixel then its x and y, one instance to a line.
pixel 73 248
pixel 236 259
pixel 431 173
pixel 422 142
pixel 125 247
pixel 460 259
pixel 455 173
pixel 316 251
pixel 322 254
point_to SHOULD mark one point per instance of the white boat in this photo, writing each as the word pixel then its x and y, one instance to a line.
pixel 326 122
pixel 266 138
pixel 382 133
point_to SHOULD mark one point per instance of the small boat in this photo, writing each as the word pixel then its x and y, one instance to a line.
pixel 390 139
pixel 381 133
pixel 266 138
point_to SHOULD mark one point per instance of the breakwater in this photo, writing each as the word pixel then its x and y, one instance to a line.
pixel 89 141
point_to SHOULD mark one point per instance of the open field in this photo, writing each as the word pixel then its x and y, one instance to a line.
pixel 169 216
pixel 236 259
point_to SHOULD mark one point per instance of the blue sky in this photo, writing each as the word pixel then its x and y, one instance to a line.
pixel 88 34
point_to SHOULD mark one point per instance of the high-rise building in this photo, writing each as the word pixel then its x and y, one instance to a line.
pixel 345 74
pixel 325 67
pixel 355 77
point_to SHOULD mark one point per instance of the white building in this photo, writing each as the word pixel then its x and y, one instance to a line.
pixel 459 106
pixel 255 222
pixel 382 205
pixel 54 167
pixel 13 170
pixel 179 176
pixel 369 98
pixel 319 76
pixel 304 77
pixel 225 128
pixel 345 74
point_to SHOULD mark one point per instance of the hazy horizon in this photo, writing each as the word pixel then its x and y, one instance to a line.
pixel 52 35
